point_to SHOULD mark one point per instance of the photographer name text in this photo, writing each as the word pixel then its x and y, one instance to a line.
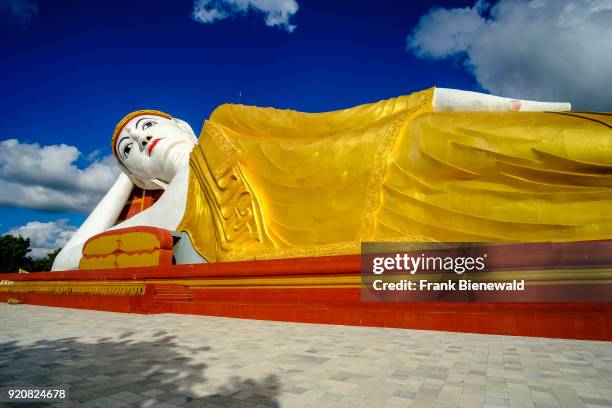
pixel 450 285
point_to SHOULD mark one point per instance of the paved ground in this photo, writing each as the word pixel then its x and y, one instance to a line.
pixel 114 360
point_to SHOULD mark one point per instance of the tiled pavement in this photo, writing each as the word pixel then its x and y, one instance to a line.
pixel 116 360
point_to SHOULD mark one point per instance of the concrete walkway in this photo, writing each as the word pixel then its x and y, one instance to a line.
pixel 116 360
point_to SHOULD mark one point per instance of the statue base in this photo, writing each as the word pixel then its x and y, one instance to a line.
pixel 324 290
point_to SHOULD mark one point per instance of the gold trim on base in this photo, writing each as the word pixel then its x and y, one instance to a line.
pixel 119 288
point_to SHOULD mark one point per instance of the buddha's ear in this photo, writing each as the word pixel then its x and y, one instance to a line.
pixel 185 126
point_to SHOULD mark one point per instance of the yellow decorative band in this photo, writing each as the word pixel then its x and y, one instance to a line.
pixel 77 288
pixel 532 277
pixel 588 276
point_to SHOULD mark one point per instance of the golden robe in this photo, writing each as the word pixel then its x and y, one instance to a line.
pixel 268 183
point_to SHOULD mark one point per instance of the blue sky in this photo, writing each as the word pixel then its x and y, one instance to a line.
pixel 71 70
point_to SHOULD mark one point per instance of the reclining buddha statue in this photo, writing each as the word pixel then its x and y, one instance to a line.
pixel 437 165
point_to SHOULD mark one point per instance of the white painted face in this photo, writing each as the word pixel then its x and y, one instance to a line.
pixel 148 144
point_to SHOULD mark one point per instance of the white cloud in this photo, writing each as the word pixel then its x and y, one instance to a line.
pixel 18 11
pixel 275 12
pixel 46 178
pixel 556 50
pixel 45 237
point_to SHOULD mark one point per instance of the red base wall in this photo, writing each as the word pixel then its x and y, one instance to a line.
pixel 561 320
pixel 592 321
pixel 328 305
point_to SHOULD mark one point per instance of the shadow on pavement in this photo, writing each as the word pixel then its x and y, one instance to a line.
pixel 126 372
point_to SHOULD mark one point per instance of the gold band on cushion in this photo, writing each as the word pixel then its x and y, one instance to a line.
pixel 129 117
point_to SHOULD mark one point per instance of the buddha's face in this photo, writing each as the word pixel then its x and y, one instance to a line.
pixel 148 145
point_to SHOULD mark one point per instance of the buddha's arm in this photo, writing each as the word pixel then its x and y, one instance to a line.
pixel 101 218
pixel 455 100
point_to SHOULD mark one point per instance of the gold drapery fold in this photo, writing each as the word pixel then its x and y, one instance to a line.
pixel 268 183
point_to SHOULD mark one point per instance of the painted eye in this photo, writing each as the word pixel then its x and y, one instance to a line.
pixel 126 149
pixel 147 125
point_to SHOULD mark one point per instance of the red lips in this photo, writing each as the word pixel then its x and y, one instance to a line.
pixel 153 144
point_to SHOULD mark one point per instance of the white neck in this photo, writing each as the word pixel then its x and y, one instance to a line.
pixel 177 159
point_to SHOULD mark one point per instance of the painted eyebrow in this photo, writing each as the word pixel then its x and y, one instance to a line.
pixel 138 121
pixel 122 139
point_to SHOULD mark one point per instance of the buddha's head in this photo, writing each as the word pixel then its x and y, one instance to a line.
pixel 149 146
